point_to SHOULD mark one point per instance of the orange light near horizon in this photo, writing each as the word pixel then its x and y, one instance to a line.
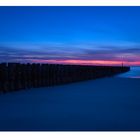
pixel 87 62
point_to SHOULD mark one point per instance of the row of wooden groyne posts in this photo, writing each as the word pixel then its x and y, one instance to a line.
pixel 16 76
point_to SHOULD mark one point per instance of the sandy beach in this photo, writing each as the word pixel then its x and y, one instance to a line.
pixel 102 104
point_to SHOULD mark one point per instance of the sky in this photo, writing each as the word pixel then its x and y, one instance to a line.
pixel 70 35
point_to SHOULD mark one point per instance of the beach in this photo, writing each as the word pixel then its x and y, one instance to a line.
pixel 106 104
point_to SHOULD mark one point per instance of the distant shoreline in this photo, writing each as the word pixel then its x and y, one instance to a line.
pixel 133 73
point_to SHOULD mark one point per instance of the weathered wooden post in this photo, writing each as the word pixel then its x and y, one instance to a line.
pixel 44 74
pixel 28 68
pixel 4 70
pixel 38 80
pixel 0 78
pixel 47 74
pixel 11 76
pixel 61 74
pixel 19 80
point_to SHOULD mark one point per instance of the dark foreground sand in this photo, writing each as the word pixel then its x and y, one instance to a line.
pixel 102 104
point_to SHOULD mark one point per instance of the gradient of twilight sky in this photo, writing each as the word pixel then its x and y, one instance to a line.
pixel 70 35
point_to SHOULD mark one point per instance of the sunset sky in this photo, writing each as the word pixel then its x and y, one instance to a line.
pixel 70 35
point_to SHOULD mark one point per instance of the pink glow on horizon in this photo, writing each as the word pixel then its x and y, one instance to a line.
pixel 88 62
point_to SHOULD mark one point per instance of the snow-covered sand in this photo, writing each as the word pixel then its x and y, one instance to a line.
pixel 102 104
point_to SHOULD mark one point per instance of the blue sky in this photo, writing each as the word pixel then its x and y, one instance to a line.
pixel 81 35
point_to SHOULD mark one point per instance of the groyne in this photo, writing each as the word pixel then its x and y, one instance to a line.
pixel 16 76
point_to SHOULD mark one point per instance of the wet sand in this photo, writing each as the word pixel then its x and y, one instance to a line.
pixel 104 104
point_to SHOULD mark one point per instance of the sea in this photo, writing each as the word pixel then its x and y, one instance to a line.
pixel 133 73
